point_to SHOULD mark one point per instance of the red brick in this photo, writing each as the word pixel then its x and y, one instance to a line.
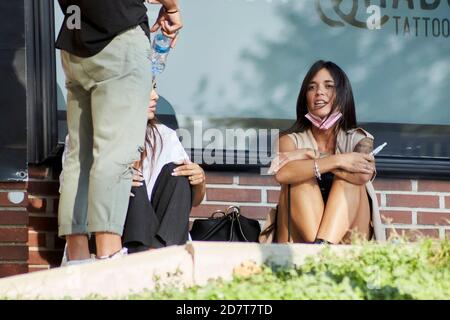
pixel 257 180
pixel 13 186
pixel 43 223
pixel 434 186
pixel 46 188
pixel 447 202
pixel 12 269
pixel 413 234
pixel 37 205
pixel 45 257
pixel 13 253
pixel 38 172
pixel 392 185
pixel 13 218
pixel 273 196
pixel 206 210
pixel 36 239
pixel 396 216
pixel 233 195
pixel 447 234
pixel 4 201
pixel 218 178
pixel 433 218
pixel 14 234
pixel 412 201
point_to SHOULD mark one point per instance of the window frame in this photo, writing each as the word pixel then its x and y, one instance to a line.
pixel 42 122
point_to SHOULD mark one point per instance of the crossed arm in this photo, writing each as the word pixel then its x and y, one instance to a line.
pixel 365 146
pixel 294 165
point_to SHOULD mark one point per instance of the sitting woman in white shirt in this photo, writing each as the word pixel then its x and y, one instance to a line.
pixel 166 185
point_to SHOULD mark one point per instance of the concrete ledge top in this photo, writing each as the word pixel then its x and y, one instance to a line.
pixel 192 264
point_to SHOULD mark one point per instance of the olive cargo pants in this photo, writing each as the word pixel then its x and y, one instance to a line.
pixel 107 99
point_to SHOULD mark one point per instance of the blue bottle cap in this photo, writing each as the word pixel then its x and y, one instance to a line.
pixel 161 49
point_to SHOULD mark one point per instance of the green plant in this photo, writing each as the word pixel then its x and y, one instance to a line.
pixel 369 271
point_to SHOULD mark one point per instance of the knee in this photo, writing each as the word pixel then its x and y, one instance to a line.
pixel 340 180
pixel 166 173
pixel 307 184
pixel 167 170
pixel 168 167
pixel 346 184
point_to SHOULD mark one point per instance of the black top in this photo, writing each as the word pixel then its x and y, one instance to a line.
pixel 101 21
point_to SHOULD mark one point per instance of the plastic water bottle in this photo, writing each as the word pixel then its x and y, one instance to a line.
pixel 161 48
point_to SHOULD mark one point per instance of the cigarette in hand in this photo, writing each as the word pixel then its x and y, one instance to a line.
pixel 378 149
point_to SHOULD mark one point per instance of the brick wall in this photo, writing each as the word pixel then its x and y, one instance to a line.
pixel 412 206
pixel 254 194
pixel 13 228
pixel 408 207
pixel 45 248
pixel 28 229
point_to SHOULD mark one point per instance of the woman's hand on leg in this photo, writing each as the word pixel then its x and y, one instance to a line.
pixel 193 171
pixel 138 179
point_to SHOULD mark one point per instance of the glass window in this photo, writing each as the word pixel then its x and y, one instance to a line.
pixel 237 69
pixel 13 101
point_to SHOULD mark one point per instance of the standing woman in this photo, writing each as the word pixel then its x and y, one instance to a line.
pixel 325 159
pixel 105 53
pixel 166 185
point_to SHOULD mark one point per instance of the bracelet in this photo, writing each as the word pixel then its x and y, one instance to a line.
pixel 316 171
pixel 171 12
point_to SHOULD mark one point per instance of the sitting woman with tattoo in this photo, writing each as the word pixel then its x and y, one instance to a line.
pixel 325 166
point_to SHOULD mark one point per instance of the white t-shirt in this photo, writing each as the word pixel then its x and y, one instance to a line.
pixel 172 151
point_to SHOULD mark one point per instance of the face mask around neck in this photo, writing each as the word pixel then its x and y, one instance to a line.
pixel 326 123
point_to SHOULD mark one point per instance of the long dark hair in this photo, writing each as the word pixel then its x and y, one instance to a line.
pixel 343 101
pixel 151 135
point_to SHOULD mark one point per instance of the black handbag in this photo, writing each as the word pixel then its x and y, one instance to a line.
pixel 226 226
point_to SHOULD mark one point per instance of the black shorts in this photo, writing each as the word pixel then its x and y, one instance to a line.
pixel 325 185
